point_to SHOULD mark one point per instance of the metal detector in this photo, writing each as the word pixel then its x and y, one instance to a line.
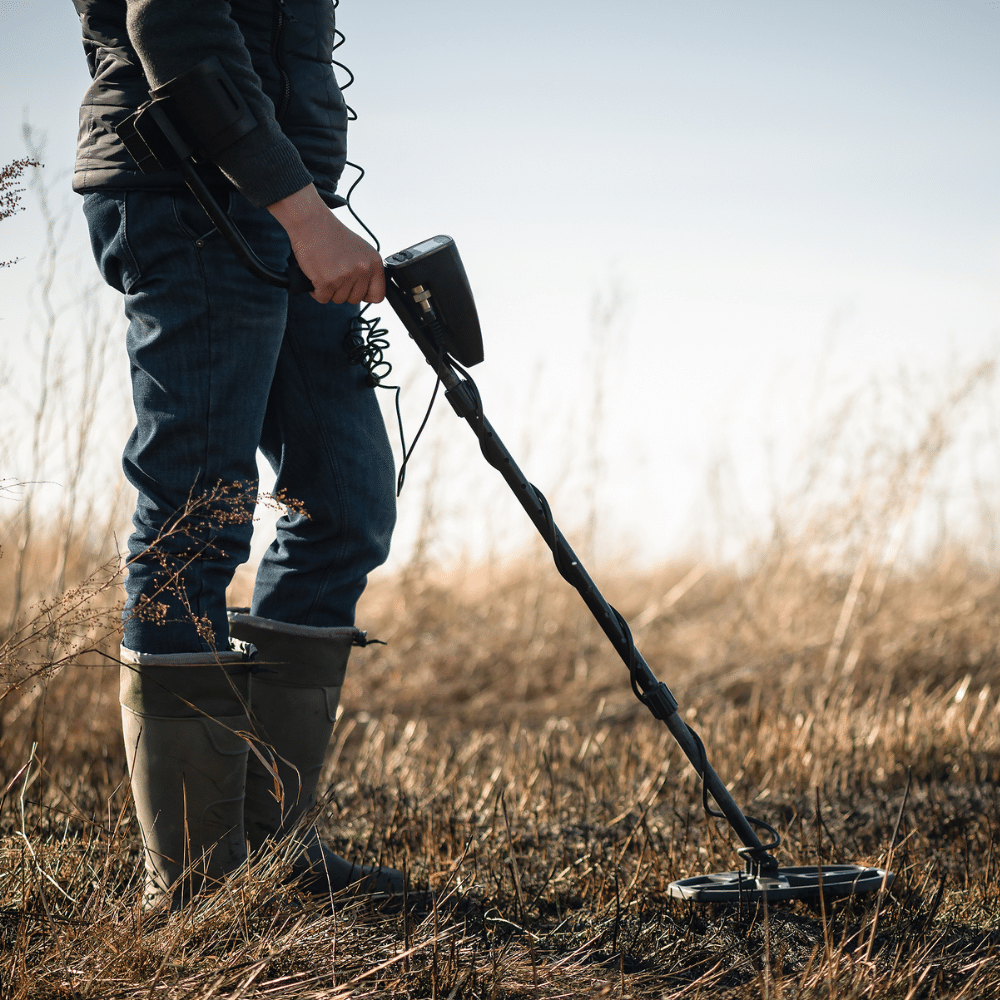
pixel 427 287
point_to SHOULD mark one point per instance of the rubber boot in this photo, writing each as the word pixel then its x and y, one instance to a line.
pixel 182 716
pixel 298 675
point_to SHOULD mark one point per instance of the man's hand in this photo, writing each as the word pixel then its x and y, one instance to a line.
pixel 341 265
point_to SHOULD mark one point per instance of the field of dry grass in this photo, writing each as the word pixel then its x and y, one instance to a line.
pixel 847 693
pixel 492 748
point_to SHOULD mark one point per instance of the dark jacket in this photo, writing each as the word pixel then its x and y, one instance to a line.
pixel 278 53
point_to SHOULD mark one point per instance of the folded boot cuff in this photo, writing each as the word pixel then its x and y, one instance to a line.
pixel 178 659
pixel 239 622
pixel 184 685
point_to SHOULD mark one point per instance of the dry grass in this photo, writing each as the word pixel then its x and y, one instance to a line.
pixel 493 750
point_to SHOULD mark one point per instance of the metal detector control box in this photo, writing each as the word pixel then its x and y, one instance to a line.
pixel 432 272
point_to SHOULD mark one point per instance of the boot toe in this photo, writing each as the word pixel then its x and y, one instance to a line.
pixel 322 872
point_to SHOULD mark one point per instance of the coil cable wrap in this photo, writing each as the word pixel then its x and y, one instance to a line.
pixel 367 341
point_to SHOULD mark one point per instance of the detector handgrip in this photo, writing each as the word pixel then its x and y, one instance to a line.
pixel 297 280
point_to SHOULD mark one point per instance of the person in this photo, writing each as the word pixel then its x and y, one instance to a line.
pixel 222 365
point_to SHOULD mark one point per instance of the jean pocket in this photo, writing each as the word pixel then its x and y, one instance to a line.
pixel 192 219
pixel 107 220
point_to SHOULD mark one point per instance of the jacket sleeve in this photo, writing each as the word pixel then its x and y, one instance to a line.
pixel 172 36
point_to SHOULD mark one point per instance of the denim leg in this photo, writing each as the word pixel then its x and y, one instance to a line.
pixel 325 438
pixel 222 363
pixel 203 341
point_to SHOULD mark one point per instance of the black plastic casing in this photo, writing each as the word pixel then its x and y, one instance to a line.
pixel 436 266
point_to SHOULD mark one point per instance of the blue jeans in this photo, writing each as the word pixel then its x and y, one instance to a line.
pixel 221 365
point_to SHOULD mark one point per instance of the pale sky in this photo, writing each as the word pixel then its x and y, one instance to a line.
pixel 789 195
